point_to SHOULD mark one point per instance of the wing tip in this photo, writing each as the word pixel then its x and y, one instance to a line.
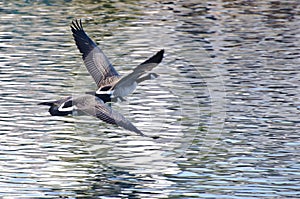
pixel 136 130
pixel 160 54
pixel 76 25
pixel 157 58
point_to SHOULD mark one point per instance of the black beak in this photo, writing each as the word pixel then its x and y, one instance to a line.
pixel 90 92
pixel 46 103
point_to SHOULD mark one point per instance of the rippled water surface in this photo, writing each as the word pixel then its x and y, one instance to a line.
pixel 225 105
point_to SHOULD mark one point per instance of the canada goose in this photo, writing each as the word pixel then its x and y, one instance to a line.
pixel 110 83
pixel 90 105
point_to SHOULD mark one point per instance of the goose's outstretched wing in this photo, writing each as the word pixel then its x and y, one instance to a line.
pixel 94 59
pixel 128 83
pixel 150 63
pixel 94 106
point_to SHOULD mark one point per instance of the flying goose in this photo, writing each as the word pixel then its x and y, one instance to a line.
pixel 90 105
pixel 110 83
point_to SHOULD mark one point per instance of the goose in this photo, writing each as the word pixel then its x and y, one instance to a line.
pixel 89 105
pixel 110 84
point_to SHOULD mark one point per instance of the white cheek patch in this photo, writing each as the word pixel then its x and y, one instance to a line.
pixel 71 108
pixel 104 92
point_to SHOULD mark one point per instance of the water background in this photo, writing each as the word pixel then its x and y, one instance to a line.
pixel 226 104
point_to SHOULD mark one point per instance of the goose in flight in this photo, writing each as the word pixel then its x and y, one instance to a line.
pixel 90 105
pixel 110 84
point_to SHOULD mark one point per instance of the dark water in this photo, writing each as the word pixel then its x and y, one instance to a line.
pixel 226 104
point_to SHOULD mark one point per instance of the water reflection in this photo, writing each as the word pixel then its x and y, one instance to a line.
pixel 225 105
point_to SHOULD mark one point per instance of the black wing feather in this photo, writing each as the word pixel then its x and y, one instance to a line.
pixel 82 40
pixel 94 59
pixel 150 63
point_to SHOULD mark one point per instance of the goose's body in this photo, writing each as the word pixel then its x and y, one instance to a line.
pixel 110 84
pixel 90 105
